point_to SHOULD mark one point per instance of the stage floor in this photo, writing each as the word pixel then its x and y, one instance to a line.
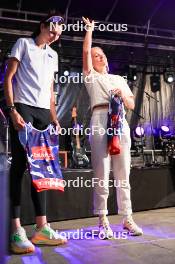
pixel 157 245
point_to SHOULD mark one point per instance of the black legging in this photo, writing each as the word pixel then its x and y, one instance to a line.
pixel 40 119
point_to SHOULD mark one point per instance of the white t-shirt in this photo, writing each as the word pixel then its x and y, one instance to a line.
pixel 35 74
pixel 99 86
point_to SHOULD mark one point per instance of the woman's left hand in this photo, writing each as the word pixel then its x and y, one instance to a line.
pixel 57 125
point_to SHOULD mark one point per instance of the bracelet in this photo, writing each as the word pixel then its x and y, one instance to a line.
pixel 11 108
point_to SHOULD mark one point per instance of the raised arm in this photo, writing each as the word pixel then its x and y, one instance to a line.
pixel 87 59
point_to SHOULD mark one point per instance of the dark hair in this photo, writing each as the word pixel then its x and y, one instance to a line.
pixel 45 23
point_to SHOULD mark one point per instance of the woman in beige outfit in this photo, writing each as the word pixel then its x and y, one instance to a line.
pixel 99 85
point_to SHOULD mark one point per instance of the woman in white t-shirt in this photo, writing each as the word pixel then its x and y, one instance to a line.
pixel 99 85
pixel 28 87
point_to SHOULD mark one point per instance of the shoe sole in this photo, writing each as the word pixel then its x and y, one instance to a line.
pixel 18 250
pixel 48 242
pixel 132 234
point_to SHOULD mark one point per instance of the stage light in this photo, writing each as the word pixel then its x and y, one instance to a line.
pixel 165 132
pixel 135 77
pixel 131 72
pixel 165 129
pixel 170 79
pixel 169 76
pixel 66 73
pixel 167 142
pixel 138 140
pixel 139 131
pixel 163 137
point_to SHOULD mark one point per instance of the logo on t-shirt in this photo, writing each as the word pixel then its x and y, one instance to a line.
pixel 50 56
pixel 42 153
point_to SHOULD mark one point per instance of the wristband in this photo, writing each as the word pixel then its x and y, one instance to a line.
pixel 11 108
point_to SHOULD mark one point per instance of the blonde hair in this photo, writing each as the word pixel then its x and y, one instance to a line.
pixel 97 47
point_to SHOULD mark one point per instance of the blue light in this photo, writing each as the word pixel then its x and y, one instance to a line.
pixel 165 129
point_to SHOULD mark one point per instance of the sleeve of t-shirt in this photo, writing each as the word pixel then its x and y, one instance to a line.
pixel 18 49
pixel 126 90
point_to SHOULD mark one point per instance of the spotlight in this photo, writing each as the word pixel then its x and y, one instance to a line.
pixel 66 73
pixel 135 77
pixel 165 129
pixel 132 72
pixel 169 76
pixel 138 139
pixel 162 137
pixel 170 79
pixel 167 141
pixel 139 132
pixel 164 132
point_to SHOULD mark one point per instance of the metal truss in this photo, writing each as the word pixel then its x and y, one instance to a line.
pixel 133 30
pixel 95 40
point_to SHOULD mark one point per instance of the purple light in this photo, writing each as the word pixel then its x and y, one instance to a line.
pixel 139 131
pixel 165 129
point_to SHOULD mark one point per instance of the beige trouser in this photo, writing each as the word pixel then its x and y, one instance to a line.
pixel 101 161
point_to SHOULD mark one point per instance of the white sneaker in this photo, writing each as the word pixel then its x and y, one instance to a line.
pixel 20 243
pixel 132 228
pixel 105 231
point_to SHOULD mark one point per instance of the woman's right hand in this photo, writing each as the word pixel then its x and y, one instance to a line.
pixel 89 25
pixel 17 120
